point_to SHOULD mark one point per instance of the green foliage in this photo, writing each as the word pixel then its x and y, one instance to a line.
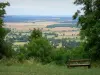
pixel 21 57
pixel 21 54
pixel 61 56
pixel 41 49
pixel 90 26
pixel 5 48
pixel 38 48
pixel 78 53
pixel 61 25
pixel 36 33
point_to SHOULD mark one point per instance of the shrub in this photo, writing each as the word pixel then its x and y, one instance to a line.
pixel 40 48
pixel 21 53
pixel 61 56
pixel 79 53
pixel 6 49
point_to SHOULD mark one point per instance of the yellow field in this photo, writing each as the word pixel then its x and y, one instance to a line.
pixel 40 25
pixel 19 43
pixel 28 26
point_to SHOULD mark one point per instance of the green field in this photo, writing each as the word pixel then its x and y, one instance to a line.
pixel 39 69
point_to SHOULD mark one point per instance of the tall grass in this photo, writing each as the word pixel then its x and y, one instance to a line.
pixel 31 67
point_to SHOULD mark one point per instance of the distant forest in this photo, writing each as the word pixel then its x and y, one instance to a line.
pixel 62 25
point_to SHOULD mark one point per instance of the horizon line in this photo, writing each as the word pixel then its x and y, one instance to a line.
pixel 43 15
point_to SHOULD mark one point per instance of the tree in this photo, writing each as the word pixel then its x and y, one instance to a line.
pixel 3 32
pixel 40 49
pixel 36 33
pixel 90 26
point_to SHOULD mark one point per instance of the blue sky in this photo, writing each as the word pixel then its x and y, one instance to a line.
pixel 41 7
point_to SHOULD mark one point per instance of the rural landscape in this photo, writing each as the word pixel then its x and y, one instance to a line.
pixel 41 44
pixel 54 31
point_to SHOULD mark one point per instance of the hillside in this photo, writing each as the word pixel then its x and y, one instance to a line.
pixel 39 69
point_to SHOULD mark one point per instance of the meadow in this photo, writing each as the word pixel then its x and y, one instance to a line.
pixel 34 68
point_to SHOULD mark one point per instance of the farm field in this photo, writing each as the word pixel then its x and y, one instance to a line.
pixel 20 43
pixel 28 26
pixel 20 31
pixel 41 25
pixel 39 69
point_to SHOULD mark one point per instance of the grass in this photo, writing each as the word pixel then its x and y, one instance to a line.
pixel 49 69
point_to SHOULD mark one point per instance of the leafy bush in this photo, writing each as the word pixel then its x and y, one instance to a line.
pixel 5 49
pixel 79 53
pixel 21 53
pixel 41 49
pixel 61 57
pixel 36 33
pixel 21 57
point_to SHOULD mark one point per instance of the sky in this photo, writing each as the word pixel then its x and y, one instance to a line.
pixel 41 7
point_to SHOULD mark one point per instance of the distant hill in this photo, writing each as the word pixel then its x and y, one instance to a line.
pixel 13 18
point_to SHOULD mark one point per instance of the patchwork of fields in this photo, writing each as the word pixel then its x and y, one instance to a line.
pixel 62 32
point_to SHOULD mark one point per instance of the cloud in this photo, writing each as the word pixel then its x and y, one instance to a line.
pixel 41 7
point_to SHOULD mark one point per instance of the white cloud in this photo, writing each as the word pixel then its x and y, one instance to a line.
pixel 41 7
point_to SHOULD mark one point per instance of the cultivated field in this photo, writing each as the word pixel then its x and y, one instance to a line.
pixel 28 26
pixel 41 25
pixel 25 27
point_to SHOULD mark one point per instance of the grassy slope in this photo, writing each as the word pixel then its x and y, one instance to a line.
pixel 38 69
